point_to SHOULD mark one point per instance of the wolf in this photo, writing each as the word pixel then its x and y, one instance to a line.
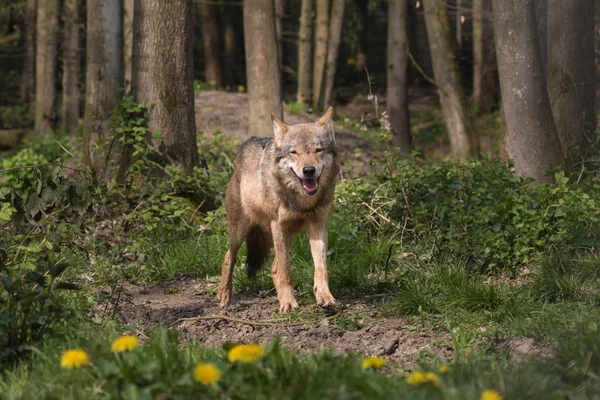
pixel 282 185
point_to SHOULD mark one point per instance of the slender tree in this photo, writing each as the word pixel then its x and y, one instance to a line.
pixel 305 54
pixel 397 79
pixel 333 47
pixel 163 76
pixel 212 43
pixel 103 78
pixel 127 42
pixel 279 15
pixel 571 77
pixel 320 55
pixel 362 47
pixel 45 65
pixel 262 65
pixel 28 78
pixel 531 139
pixel 71 78
pixel 463 139
pixel 232 52
pixel 485 71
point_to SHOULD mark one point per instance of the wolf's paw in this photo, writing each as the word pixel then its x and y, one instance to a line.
pixel 224 296
pixel 324 298
pixel 287 304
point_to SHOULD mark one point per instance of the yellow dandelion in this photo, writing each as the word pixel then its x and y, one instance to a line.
pixel 433 379
pixel 351 61
pixel 74 358
pixel 124 343
pixel 207 374
pixel 373 362
pixel 490 394
pixel 443 368
pixel 416 378
pixel 246 353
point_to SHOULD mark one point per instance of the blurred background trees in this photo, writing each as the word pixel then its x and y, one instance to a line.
pixel 66 63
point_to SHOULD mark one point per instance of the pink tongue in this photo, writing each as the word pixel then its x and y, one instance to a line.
pixel 309 184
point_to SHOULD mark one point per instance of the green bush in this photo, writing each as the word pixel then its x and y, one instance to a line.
pixel 17 116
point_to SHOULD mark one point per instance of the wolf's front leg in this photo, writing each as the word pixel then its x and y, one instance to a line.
pixel 318 247
pixel 281 271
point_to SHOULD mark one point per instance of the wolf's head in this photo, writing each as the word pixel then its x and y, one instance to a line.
pixel 305 154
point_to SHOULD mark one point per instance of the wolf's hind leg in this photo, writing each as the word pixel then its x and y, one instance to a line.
pixel 318 248
pixel 238 230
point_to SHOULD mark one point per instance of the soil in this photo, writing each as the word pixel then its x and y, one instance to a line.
pixel 370 333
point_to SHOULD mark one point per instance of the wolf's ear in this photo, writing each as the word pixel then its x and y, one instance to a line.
pixel 279 128
pixel 324 120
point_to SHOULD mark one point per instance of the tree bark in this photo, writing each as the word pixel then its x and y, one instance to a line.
pixel 320 55
pixel 485 71
pixel 71 67
pixel 397 78
pixel 333 47
pixel 262 66
pixel 531 138
pixel 305 54
pixel 28 77
pixel 279 14
pixel 541 18
pixel 463 139
pixel 45 66
pixel 212 46
pixel 571 77
pixel 127 42
pixel 103 78
pixel 163 76
pixel 232 53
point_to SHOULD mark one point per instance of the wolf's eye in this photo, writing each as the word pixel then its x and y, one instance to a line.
pixel 318 150
pixel 293 152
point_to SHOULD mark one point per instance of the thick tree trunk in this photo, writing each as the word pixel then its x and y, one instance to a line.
pixel 71 66
pixel 212 44
pixel 127 42
pixel 485 71
pixel 397 78
pixel 45 66
pixel 333 47
pixel 262 66
pixel 232 57
pixel 362 49
pixel 571 77
pixel 463 139
pixel 103 78
pixel 28 77
pixel 163 76
pixel 541 18
pixel 531 138
pixel 320 55
pixel 305 54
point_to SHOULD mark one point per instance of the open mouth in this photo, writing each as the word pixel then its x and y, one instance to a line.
pixel 310 185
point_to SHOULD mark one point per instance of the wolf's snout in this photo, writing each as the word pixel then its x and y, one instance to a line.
pixel 309 171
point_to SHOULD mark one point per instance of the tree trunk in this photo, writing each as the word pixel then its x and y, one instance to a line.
pixel 572 75
pixel 305 54
pixel 103 78
pixel 333 47
pixel 541 17
pixel 279 14
pixel 71 67
pixel 262 66
pixel 531 138
pixel 45 66
pixel 28 77
pixel 458 21
pixel 232 51
pixel 212 45
pixel 320 55
pixel 397 79
pixel 362 50
pixel 127 42
pixel 485 71
pixel 163 76
pixel 463 138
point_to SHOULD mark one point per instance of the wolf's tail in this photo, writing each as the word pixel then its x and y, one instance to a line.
pixel 258 246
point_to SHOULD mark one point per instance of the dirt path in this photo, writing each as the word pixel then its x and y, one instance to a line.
pixel 356 325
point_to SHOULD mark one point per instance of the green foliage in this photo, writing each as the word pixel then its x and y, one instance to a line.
pixel 20 178
pixel 17 116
